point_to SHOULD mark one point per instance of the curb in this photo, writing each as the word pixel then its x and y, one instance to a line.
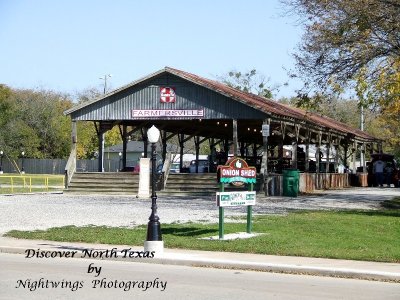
pixel 188 260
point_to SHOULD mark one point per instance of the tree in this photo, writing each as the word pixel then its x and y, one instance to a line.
pixel 345 39
pixel 87 136
pixel 250 82
pixel 32 121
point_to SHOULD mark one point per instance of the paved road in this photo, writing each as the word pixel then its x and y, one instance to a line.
pixel 173 282
pixel 28 212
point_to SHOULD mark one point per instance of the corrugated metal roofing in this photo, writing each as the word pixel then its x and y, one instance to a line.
pixel 273 107
pixel 270 107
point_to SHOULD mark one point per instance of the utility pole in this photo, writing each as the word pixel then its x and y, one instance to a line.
pixel 105 81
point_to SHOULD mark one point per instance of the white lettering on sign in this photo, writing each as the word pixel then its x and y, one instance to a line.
pixel 230 172
pixel 265 130
pixel 159 113
pixel 235 198
pixel 247 173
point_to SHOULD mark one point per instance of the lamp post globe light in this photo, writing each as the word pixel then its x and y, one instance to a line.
pixel 22 163
pixel 1 161
pixel 120 161
pixel 154 240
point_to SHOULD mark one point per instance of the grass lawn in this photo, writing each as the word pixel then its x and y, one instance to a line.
pixel 358 235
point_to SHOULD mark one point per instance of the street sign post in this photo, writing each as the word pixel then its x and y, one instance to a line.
pixel 265 130
pixel 234 172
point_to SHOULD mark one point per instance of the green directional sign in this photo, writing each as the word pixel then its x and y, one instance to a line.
pixel 236 198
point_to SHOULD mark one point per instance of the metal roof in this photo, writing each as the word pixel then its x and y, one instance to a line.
pixel 274 109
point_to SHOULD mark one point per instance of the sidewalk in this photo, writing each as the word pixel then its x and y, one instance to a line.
pixel 241 261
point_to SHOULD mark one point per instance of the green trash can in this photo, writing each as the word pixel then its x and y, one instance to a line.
pixel 291 182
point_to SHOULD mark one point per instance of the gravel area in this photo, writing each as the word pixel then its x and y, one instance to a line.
pixel 41 211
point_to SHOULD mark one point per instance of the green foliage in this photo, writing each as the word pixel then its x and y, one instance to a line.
pixel 250 82
pixel 87 140
pixel 33 122
pixel 348 43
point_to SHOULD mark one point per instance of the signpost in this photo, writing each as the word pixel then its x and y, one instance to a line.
pixel 265 130
pixel 236 172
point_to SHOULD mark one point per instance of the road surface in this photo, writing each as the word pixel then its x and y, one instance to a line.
pixel 129 280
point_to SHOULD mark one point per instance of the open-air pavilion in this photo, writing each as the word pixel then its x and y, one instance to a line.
pixel 257 129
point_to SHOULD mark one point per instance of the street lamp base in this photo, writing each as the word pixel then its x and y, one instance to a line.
pixel 156 246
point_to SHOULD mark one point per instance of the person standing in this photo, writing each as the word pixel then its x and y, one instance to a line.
pixel 379 166
pixel 388 172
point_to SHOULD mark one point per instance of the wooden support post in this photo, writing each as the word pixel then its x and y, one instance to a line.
pixel 328 153
pixel 318 152
pixel 264 161
pixel 242 149
pixel 226 149
pixel 250 212
pixel 164 144
pixel 294 155
pixel 221 216
pixel 145 141
pixel 124 145
pixel 74 140
pixel 307 162
pixel 74 133
pixel 317 161
pixel 336 158
pixel 197 146
pixel 363 151
pixel 280 155
pixel 181 138
pixel 100 136
pixel 235 138
pixel 255 152
pixel 295 144
pixel 354 157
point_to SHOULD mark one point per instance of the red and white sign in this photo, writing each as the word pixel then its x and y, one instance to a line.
pixel 167 113
pixel 237 172
pixel 167 95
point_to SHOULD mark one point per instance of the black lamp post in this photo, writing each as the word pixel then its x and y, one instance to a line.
pixel 153 227
pixel 22 163
pixel 1 161
pixel 120 161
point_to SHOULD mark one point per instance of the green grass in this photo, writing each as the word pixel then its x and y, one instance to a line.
pixel 392 204
pixel 359 235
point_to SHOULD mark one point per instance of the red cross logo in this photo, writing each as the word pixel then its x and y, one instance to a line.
pixel 167 95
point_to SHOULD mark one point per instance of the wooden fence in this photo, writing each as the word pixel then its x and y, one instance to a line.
pixel 309 182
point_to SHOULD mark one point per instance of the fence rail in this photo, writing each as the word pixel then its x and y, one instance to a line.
pixel 57 166
pixel 26 183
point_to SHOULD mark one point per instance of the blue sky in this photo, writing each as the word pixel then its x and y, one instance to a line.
pixel 67 45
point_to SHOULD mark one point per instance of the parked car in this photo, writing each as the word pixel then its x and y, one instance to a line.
pixel 175 168
pixel 387 159
pixel 203 166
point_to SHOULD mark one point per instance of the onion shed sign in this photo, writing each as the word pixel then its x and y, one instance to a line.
pixel 236 170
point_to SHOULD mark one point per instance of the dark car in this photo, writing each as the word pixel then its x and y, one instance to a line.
pixel 203 166
pixel 389 161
